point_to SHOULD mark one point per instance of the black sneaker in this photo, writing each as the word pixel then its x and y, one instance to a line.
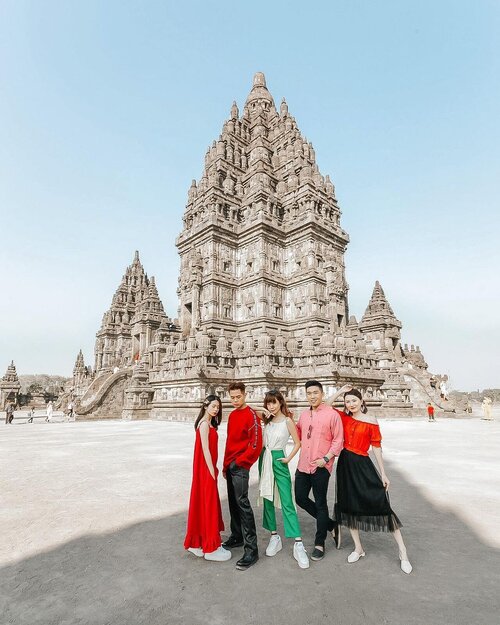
pixel 317 554
pixel 232 542
pixel 246 561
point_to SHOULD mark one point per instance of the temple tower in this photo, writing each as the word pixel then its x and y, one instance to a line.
pixel 262 291
pixel 9 386
pixel 381 329
pixel 128 327
pixel 261 244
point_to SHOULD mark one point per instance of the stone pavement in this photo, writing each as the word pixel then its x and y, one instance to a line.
pixel 93 519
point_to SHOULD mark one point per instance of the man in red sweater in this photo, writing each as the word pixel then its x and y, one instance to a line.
pixel 243 447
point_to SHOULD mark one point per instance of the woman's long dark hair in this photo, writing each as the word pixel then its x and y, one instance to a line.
pixel 356 393
pixel 215 421
pixel 273 396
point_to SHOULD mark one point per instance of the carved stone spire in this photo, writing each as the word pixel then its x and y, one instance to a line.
pixel 79 368
pixel 136 301
pixel 378 311
pixel 9 386
pixel 259 97
pixel 382 328
pixel 11 374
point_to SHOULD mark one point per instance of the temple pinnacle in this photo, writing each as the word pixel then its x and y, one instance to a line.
pixel 259 80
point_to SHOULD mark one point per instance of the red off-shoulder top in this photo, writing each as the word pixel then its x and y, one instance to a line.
pixel 359 435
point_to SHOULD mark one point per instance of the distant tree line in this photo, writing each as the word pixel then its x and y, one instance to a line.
pixel 50 387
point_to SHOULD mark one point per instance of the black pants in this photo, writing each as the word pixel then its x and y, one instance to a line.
pixel 318 508
pixel 242 518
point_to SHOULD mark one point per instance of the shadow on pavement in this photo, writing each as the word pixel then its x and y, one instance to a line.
pixel 141 575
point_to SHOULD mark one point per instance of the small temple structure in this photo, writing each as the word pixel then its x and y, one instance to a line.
pixel 10 386
pixel 263 295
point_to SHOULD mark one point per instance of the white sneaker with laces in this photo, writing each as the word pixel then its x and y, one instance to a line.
pixel 196 551
pixel 219 555
pixel 274 546
pixel 300 554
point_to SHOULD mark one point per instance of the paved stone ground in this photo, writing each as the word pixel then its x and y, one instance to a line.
pixel 93 519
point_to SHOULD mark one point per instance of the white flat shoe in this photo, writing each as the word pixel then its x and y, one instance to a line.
pixel 196 551
pixel 355 556
pixel 406 567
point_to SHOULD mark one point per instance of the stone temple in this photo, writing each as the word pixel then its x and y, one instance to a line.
pixel 10 386
pixel 263 295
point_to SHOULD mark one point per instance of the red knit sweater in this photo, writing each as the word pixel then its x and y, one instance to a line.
pixel 244 438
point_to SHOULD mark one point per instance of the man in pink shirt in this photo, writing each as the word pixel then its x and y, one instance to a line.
pixel 322 437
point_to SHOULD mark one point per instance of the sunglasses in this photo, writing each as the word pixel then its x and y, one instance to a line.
pixel 309 431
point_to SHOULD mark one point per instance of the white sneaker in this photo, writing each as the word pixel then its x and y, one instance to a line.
pixel 274 546
pixel 300 554
pixel 219 555
pixel 355 556
pixel 196 551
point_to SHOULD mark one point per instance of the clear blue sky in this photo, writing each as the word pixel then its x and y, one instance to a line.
pixel 107 108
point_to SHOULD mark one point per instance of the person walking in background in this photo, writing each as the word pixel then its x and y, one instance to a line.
pixel 430 411
pixel 321 438
pixel 50 411
pixel 275 485
pixel 362 502
pixel 486 408
pixel 243 447
pixel 204 523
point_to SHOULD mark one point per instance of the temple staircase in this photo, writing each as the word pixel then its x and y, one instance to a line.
pixel 422 393
pixel 104 397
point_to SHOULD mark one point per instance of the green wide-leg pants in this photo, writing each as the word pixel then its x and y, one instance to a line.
pixel 283 482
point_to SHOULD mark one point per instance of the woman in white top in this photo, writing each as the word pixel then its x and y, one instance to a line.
pixel 275 486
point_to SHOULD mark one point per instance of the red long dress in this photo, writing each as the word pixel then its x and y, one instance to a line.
pixel 204 522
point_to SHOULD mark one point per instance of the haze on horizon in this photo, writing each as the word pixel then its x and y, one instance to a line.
pixel 108 108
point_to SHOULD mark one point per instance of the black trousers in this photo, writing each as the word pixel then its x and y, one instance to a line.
pixel 318 508
pixel 242 518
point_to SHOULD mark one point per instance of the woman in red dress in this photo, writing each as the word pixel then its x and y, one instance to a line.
pixel 362 499
pixel 205 522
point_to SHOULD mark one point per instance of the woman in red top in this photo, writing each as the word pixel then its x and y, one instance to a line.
pixel 362 499
pixel 205 522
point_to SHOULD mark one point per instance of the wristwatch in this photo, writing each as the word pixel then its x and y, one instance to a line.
pixel 326 459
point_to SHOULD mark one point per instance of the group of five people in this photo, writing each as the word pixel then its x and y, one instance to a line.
pixel 321 435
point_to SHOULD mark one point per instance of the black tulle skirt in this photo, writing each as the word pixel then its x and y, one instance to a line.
pixel 362 502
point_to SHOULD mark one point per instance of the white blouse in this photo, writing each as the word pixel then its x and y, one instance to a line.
pixel 276 437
